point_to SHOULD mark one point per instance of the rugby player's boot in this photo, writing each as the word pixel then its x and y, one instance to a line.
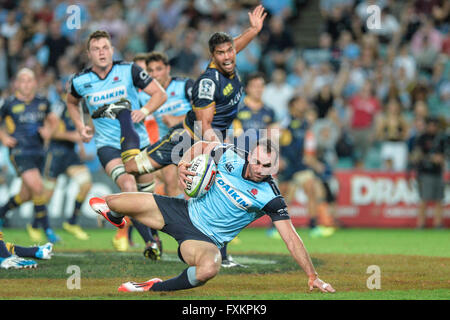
pixel 152 251
pixel 111 110
pixel 52 236
pixel 99 205
pixel 35 234
pixel 15 262
pixel 121 244
pixel 132 286
pixel 229 262
pixel 45 251
pixel 76 230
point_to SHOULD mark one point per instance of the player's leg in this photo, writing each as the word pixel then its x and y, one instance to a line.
pixel 10 261
pixel 153 244
pixel 81 175
pixel 140 206
pixel 24 194
pixel 39 252
pixel 33 180
pixel 204 263
pixel 171 187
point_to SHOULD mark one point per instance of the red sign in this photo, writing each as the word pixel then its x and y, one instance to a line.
pixel 372 199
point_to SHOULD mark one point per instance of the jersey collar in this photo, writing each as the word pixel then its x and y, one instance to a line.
pixel 212 65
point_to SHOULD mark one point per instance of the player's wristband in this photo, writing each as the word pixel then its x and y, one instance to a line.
pixel 145 111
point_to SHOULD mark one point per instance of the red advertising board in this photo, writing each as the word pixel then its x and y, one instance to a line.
pixel 371 199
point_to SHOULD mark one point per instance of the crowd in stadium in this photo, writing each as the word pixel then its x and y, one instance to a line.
pixel 356 79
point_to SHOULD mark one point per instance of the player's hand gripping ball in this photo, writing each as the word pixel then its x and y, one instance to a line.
pixel 205 170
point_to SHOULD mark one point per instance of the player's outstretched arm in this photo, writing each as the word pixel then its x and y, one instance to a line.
pixel 298 251
pixel 256 19
pixel 85 132
pixel 158 97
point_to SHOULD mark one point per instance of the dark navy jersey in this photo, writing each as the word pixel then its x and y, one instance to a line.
pixel 65 124
pixel 248 119
pixel 23 121
pixel 215 90
pixel 296 141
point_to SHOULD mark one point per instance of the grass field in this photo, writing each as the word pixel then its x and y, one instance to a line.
pixel 413 264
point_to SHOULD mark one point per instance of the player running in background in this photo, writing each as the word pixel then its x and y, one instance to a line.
pixel 203 225
pixel 109 81
pixel 62 158
pixel 300 166
pixel 29 126
pixel 215 98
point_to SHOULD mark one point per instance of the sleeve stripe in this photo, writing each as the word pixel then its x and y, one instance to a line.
pixel 212 104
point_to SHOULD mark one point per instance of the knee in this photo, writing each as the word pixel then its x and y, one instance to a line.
pixel 127 183
pixel 208 270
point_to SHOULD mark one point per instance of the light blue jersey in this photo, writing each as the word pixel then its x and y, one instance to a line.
pixel 122 82
pixel 178 102
pixel 234 202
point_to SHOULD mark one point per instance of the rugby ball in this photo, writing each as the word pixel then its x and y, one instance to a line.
pixel 205 170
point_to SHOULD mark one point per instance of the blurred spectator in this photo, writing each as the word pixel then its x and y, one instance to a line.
pixel 3 65
pixel 280 8
pixel 186 59
pixel 428 157
pixel 277 94
pixel 248 59
pixel 389 27
pixel 392 131
pixel 321 54
pixel 169 14
pixel 279 48
pixel 406 61
pixel 56 44
pixel 10 27
pixel 337 22
pixel 298 76
pixel 363 106
pixel 426 44
pixel 324 101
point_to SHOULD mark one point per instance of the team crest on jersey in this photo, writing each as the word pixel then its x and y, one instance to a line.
pixel 42 107
pixel 107 96
pixel 234 195
pixel 206 89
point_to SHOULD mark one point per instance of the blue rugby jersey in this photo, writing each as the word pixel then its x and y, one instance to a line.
pixel 22 122
pixel 214 89
pixel 179 94
pixel 123 81
pixel 233 202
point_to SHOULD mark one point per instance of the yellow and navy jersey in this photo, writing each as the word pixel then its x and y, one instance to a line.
pixel 296 141
pixel 215 90
pixel 65 124
pixel 248 119
pixel 23 120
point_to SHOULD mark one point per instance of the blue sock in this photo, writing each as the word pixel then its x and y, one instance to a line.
pixel 185 280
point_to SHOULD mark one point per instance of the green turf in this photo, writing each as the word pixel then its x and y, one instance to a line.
pixel 347 241
pixel 98 260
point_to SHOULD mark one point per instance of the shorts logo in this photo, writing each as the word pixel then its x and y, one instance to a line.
pixel 107 96
pixel 206 89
